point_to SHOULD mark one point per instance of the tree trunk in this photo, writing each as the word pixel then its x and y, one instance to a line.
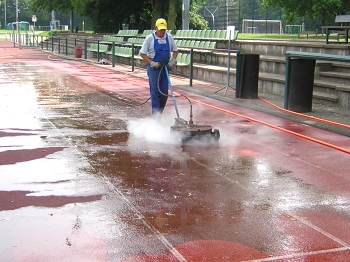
pixel 157 11
pixel 172 15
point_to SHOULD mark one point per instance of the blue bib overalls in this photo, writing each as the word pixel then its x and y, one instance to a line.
pixel 157 77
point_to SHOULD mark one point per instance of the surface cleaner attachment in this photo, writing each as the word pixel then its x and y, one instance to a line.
pixel 187 130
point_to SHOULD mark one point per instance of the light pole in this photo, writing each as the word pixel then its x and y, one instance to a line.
pixel 226 13
pixel 17 23
pixel 5 23
pixel 185 14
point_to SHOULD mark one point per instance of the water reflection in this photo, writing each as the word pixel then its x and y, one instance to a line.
pixel 230 190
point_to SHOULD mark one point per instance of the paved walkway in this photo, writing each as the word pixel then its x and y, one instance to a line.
pixel 87 174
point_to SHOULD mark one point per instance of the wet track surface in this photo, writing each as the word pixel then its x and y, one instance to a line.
pixel 87 174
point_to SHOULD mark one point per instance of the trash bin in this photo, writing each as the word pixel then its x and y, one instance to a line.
pixel 301 82
pixel 249 76
pixel 78 51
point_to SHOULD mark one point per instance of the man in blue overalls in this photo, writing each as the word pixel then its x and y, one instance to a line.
pixel 156 51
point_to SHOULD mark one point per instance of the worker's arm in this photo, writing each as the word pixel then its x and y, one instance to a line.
pixel 146 58
pixel 175 53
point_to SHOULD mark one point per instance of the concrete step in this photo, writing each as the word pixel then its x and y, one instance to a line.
pixel 275 84
pixel 272 64
pixel 342 67
pixel 325 97
pixel 335 65
pixel 277 64
pixel 267 64
pixel 325 86
pixel 215 74
pixel 325 92
pixel 336 77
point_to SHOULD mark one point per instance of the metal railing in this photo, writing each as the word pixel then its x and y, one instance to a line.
pixel 67 46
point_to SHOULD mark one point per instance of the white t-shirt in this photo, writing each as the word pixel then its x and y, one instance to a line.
pixel 148 45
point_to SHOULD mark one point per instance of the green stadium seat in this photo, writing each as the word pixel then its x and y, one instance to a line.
pixel 223 34
pixel 206 44
pixel 212 45
pixel 187 60
pixel 201 44
pixel 179 57
pixel 212 34
pixel 101 48
pixel 192 43
pixel 196 44
pixel 183 59
pixel 178 34
pixel 201 34
pixel 206 34
pixel 217 35
pixel 193 34
pixel 186 34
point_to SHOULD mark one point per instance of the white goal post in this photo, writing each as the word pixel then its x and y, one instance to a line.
pixel 292 29
pixel 252 26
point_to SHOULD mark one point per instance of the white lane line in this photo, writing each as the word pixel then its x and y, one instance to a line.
pixel 345 245
pixel 144 220
pixel 320 230
pixel 302 254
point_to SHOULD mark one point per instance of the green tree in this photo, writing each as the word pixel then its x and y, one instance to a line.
pixel 112 15
pixel 327 9
pixel 54 5
pixel 168 10
pixel 197 21
pixel 49 5
pixel 25 12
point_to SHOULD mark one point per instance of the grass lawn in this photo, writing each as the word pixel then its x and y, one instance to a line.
pixel 269 36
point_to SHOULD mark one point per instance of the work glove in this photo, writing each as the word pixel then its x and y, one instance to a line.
pixel 154 65
pixel 172 63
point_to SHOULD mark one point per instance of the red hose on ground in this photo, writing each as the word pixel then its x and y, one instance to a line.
pixel 275 127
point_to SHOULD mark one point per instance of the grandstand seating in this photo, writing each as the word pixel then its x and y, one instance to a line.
pixel 128 32
pixel 101 48
pixel 108 39
pixel 121 51
pixel 183 59
pixel 200 46
pixel 135 41
pixel 204 34
pixel 201 41
pixel 147 32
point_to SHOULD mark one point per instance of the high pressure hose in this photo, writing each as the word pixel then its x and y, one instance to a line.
pixel 303 115
pixel 164 67
pixel 265 123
